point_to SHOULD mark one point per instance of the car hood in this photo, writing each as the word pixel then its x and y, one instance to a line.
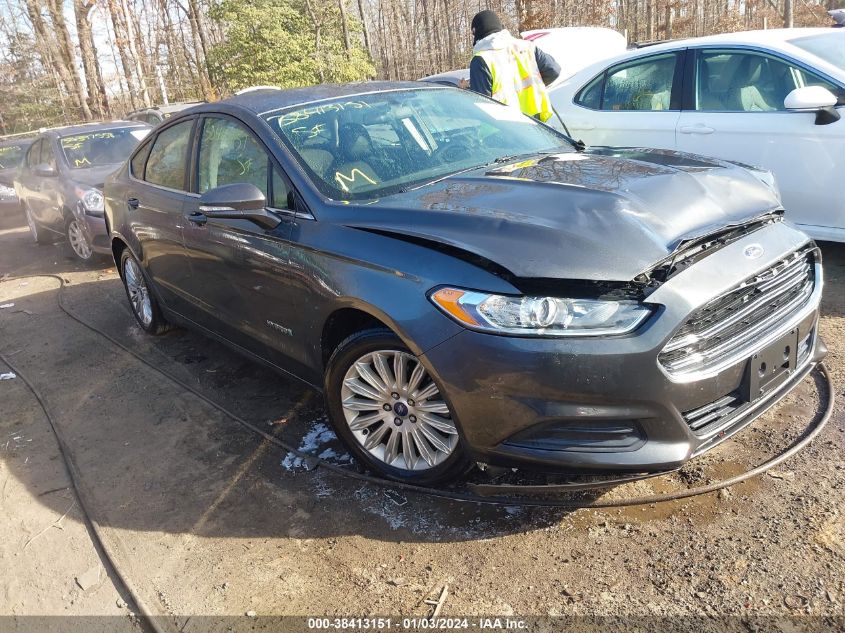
pixel 94 176
pixel 607 214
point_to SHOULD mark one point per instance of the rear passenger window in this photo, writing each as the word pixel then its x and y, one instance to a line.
pixel 645 85
pixel 168 160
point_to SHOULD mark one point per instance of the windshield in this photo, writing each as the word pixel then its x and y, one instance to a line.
pixel 103 147
pixel 11 155
pixel 366 146
pixel 829 46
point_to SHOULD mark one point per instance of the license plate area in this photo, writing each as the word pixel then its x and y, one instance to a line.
pixel 771 367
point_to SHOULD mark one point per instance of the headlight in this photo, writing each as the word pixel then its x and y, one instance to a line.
pixel 539 316
pixel 92 200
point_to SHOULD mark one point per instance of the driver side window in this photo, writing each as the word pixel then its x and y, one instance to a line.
pixel 733 81
pixel 33 157
pixel 230 154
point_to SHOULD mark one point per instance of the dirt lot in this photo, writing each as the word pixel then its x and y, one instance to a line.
pixel 206 518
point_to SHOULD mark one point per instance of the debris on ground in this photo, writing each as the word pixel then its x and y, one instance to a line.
pixel 8 376
pixel 7 305
pixel 787 475
pixel 438 604
pixel 89 579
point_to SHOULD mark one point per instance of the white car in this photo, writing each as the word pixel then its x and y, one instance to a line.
pixel 765 98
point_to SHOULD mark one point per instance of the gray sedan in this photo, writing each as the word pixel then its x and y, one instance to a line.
pixel 464 283
pixel 60 182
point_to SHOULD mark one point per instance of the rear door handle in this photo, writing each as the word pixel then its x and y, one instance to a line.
pixel 133 203
pixel 197 218
pixel 696 129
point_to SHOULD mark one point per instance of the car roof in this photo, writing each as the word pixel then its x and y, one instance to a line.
pixel 82 128
pixel 767 36
pixel 267 100
pixel 27 140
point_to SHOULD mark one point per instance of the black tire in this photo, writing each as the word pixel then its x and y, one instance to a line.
pixel 354 348
pixel 77 242
pixel 155 323
pixel 39 234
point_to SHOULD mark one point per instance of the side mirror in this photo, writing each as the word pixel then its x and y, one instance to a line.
pixel 45 170
pixel 238 201
pixel 814 99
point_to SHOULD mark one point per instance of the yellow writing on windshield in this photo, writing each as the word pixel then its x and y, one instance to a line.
pixel 344 181
pixel 76 142
pixel 79 162
pixel 289 118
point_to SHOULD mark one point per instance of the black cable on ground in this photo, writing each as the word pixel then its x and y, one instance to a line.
pixel 453 495
pixel 81 497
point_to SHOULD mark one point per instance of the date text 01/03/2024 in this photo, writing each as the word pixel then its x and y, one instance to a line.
pixel 416 624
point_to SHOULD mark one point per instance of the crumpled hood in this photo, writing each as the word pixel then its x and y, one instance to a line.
pixel 93 176
pixel 607 214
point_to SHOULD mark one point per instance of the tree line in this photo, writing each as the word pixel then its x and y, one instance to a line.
pixel 64 61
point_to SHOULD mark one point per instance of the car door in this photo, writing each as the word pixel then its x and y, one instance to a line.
pixel 737 112
pixel 50 188
pixel 634 103
pixel 240 271
pixel 154 200
pixel 27 181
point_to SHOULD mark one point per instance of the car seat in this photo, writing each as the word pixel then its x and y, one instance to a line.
pixel 354 169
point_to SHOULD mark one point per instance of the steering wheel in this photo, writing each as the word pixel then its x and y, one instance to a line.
pixel 457 149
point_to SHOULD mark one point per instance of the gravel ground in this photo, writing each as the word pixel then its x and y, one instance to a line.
pixel 207 519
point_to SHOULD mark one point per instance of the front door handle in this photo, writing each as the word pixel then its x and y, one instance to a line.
pixel 696 129
pixel 197 218
pixel 133 203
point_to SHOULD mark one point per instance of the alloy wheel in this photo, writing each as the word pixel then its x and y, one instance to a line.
pixel 139 295
pixel 78 241
pixel 396 412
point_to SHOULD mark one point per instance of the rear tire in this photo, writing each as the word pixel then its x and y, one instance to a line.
pixel 39 235
pixel 390 412
pixel 143 303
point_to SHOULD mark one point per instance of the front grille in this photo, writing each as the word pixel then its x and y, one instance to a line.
pixel 705 417
pixel 723 330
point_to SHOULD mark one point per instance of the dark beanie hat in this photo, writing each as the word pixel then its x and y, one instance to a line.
pixel 485 23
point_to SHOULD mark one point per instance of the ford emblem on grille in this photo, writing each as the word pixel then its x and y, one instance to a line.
pixel 753 251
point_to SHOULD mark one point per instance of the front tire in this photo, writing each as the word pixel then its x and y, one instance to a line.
pixel 77 240
pixel 390 412
pixel 144 306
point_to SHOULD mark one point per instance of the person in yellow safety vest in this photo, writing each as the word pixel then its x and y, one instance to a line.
pixel 510 70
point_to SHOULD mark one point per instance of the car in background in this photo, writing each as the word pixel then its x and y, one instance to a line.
pixel 463 283
pixel 572 47
pixel 60 181
pixel 767 98
pixel 155 115
pixel 12 151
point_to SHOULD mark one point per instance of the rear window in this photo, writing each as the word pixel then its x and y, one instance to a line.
pixel 829 46
pixel 11 155
pixel 101 147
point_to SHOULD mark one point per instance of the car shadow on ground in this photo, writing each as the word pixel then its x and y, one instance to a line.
pixel 159 459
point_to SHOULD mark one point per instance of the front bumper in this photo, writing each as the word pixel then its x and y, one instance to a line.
pixel 607 404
